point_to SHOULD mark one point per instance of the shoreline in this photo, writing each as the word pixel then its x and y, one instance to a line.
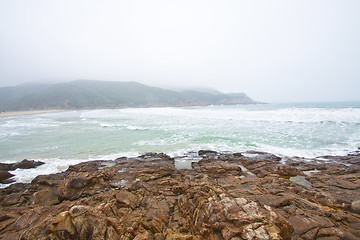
pixel 28 112
pixel 219 196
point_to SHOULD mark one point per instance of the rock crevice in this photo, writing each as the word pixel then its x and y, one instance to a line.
pixel 223 196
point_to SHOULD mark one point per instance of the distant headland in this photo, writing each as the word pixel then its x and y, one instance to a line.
pixel 90 94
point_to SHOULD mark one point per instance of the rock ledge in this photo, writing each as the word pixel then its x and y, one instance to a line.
pixel 223 196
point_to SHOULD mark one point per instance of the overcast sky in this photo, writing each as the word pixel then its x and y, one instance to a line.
pixel 275 51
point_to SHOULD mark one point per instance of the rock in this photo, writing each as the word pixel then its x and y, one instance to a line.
pixel 237 154
pixel 171 235
pixel 4 175
pixel 285 170
pixel 46 197
pixel 274 201
pixel 51 180
pixel 144 236
pixel 303 224
pixel 7 166
pixel 343 184
pixel 77 183
pixel 336 233
pixel 206 152
pixel 223 196
pixel 126 199
pixel 264 155
pixel 355 206
pixel 26 164
pixel 62 227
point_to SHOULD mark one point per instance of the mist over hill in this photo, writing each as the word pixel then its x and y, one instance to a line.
pixel 89 94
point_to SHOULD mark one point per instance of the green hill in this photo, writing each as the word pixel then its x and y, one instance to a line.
pixel 87 94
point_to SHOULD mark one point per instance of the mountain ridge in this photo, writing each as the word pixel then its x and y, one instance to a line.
pixel 92 94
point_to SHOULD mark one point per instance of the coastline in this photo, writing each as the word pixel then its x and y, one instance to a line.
pixel 244 195
pixel 28 112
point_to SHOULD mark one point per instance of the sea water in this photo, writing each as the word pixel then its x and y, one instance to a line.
pixel 65 138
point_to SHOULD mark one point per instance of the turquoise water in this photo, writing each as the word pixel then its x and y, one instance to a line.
pixel 60 139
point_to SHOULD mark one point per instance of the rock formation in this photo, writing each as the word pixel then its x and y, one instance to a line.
pixel 236 196
pixel 24 164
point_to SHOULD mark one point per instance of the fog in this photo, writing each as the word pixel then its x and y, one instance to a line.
pixel 275 51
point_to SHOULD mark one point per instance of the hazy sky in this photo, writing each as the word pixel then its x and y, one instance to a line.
pixel 275 51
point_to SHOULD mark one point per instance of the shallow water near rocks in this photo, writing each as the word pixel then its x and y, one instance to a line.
pixel 65 138
pixel 301 181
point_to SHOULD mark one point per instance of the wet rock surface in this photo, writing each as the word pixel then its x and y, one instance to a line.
pixel 223 196
pixel 5 176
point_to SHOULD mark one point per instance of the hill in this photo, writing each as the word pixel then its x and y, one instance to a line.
pixel 88 94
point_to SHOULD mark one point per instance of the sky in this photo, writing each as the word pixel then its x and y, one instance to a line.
pixel 274 51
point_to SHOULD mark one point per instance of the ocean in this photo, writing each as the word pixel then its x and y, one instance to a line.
pixel 64 138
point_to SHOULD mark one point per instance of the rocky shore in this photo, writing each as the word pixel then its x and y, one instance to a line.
pixel 250 195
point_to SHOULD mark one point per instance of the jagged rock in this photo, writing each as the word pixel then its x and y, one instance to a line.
pixel 46 197
pixel 336 232
pixel 126 199
pixel 144 236
pixel 26 164
pixel 274 201
pixel 77 183
pixel 222 197
pixel 7 166
pixel 303 224
pixel 264 155
pixel 4 175
pixel 171 235
pixel 206 152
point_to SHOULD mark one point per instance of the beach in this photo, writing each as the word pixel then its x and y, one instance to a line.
pixel 18 113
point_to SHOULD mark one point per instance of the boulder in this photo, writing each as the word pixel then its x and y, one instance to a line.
pixel 4 176
pixel 46 197
pixel 206 152
pixel 26 164
pixel 78 183
pixel 7 166
pixel 355 206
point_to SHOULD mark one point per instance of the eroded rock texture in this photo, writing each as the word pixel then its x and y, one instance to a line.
pixel 223 196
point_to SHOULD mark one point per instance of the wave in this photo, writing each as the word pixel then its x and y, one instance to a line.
pixel 124 126
pixel 52 165
pixel 112 133
pixel 249 114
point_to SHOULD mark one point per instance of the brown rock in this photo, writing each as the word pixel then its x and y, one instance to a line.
pixel 77 183
pixel 7 166
pixel 171 235
pixel 6 220
pixel 46 197
pixel 26 164
pixel 144 236
pixel 274 201
pixel 230 230
pixel 355 206
pixel 303 224
pixel 206 152
pixel 219 198
pixel 336 233
pixel 344 184
pixel 126 199
pixel 62 227
pixel 4 175
pixel 285 170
